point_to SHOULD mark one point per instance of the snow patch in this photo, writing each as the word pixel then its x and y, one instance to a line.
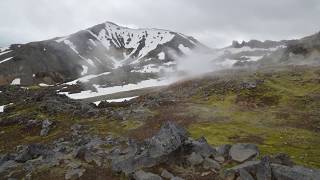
pixel 90 62
pixel 117 100
pixel 252 58
pixel 85 70
pixel 3 106
pixel 16 81
pixel 92 41
pixel 115 89
pixel 71 45
pixel 161 56
pixel 62 39
pixel 5 60
pixel 150 68
pixel 249 49
pixel 184 49
pixel 44 85
pixel 4 49
pixel 5 52
pixel 227 63
pixel 86 78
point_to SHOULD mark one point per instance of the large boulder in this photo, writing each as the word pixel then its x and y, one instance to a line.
pixel 243 152
pixel 153 151
pixel 168 139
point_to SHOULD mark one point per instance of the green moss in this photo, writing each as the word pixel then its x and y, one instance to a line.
pixel 114 127
pixel 302 145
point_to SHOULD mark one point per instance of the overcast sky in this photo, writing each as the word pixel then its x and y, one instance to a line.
pixel 214 22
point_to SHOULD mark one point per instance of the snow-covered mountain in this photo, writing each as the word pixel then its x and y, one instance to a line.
pixel 239 54
pixel 99 49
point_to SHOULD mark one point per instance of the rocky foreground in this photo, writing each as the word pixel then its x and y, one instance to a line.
pixel 150 159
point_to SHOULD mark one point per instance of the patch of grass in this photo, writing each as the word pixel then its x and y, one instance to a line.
pixel 115 127
pixel 302 145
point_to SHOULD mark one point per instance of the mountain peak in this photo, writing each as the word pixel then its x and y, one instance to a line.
pixel 103 47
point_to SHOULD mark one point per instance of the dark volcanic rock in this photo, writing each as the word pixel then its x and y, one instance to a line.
pixel 244 175
pixel 195 159
pixel 282 159
pixel 141 175
pixel 32 151
pixel 243 152
pixel 211 164
pixel 154 150
pixel 202 147
pixel 46 127
pixel 294 173
pixel 224 150
pixel 166 174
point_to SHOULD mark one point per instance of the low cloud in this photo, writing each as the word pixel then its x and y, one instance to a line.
pixel 213 22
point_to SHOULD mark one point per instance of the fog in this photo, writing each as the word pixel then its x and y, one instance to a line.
pixel 213 22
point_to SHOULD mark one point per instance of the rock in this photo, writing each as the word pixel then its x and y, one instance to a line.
pixel 141 175
pixel 202 147
pixel 168 139
pixel 283 159
pixel 243 152
pixel 6 157
pixel 176 178
pixel 46 127
pixel 220 159
pixel 166 174
pixel 244 175
pixel 211 164
pixel 74 173
pixel 263 169
pixel 153 151
pixel 32 124
pixel 228 175
pixel 260 169
pixel 32 151
pixel 224 150
pixel 80 153
pixel 76 129
pixel 195 159
pixel 7 165
pixel 249 166
pixel 294 173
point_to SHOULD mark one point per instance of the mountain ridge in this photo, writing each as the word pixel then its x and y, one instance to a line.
pixel 97 49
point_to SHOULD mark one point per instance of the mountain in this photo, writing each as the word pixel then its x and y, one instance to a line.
pixel 98 49
pixel 246 53
pixel 300 51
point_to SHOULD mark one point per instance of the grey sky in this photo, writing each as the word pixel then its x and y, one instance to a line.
pixel 214 22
